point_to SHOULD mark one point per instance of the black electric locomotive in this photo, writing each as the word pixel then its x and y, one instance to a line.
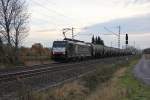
pixel 70 49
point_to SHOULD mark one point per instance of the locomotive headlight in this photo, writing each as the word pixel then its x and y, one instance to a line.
pixel 64 53
pixel 53 52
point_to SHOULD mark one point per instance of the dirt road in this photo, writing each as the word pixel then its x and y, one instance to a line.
pixel 142 70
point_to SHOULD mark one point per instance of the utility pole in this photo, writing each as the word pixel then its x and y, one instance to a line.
pixel 119 37
pixel 72 29
pixel 134 44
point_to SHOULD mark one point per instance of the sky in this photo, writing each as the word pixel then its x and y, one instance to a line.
pixel 89 17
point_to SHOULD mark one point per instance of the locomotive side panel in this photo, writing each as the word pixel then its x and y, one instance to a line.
pixel 71 50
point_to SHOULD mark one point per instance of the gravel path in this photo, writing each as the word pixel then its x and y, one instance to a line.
pixel 142 70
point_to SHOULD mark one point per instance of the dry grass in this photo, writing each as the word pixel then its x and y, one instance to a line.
pixel 76 91
pixel 34 62
pixel 72 91
pixel 2 66
pixel 123 86
pixel 110 90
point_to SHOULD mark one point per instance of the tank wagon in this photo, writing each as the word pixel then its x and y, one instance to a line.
pixel 69 49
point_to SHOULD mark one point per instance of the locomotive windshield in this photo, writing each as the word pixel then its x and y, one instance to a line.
pixel 59 44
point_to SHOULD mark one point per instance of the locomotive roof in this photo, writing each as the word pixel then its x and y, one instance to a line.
pixel 76 41
pixel 73 40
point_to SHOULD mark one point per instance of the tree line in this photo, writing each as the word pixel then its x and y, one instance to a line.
pixel 97 40
pixel 14 29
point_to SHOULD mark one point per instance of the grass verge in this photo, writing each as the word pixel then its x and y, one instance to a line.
pixel 122 86
pixel 135 90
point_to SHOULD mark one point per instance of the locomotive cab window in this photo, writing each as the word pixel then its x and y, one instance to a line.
pixel 59 44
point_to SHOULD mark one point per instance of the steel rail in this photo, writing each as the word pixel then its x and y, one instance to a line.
pixel 10 76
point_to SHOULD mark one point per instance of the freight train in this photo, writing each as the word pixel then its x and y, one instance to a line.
pixel 70 49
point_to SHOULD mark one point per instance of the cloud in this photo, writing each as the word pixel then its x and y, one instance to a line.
pixel 135 2
pixel 138 28
pixel 141 1
pixel 132 25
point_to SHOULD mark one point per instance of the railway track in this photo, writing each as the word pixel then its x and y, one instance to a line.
pixel 10 76
pixel 20 68
pixel 41 77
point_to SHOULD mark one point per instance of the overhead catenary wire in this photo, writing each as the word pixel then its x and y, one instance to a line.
pixel 48 21
pixel 50 2
pixel 54 11
pixel 45 14
pixel 51 10
pixel 118 35
pixel 52 21
pixel 110 31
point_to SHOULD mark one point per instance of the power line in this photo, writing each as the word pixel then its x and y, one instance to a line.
pixel 54 11
pixel 49 1
pixel 54 4
pixel 43 7
pixel 46 20
pixel 110 31
pixel 118 35
pixel 48 30
pixel 51 21
pixel 72 29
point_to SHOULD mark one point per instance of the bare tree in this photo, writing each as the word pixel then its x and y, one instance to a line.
pixel 1 45
pixel 1 50
pixel 20 22
pixel 13 23
pixel 6 17
pixel 21 30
